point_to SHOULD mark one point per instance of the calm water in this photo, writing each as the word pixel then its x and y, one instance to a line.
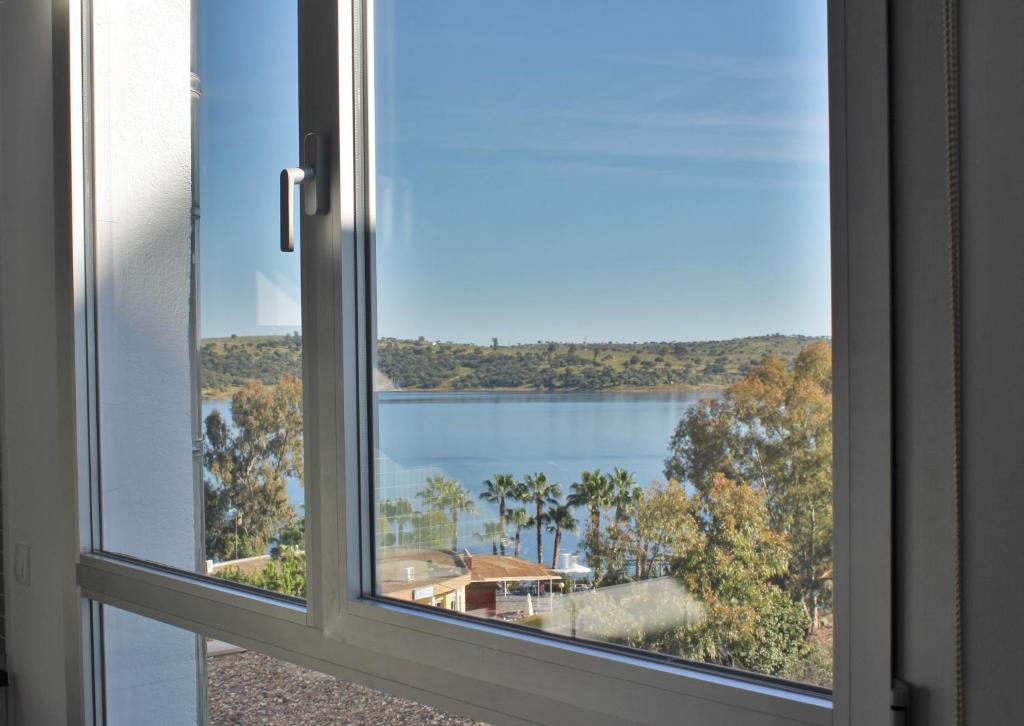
pixel 473 436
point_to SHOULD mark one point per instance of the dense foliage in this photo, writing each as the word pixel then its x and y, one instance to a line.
pixel 228 363
pixel 772 432
pixel 421 364
pixel 284 573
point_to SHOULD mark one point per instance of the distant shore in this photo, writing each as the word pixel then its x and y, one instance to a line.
pixel 226 393
pixel 441 367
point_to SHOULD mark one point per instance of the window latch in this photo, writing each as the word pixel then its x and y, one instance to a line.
pixel 314 178
pixel 900 703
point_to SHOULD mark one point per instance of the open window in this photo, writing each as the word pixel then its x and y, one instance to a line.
pixel 529 360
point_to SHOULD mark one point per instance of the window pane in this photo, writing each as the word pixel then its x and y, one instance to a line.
pixel 158 674
pixel 198 315
pixel 152 671
pixel 603 389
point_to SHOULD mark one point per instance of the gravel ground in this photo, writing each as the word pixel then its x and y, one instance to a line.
pixel 249 688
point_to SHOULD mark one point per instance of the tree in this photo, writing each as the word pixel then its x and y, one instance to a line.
pixel 249 465
pixel 593 491
pixel 538 491
pixel 447 495
pixel 625 493
pixel 732 565
pixel 430 530
pixel 290 540
pixel 497 491
pixel 398 511
pixel 560 519
pixel 493 533
pixel 663 526
pixel 519 519
pixel 773 431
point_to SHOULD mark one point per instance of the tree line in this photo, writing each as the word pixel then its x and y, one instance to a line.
pixel 228 363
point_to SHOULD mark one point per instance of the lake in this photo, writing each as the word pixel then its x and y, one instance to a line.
pixel 471 436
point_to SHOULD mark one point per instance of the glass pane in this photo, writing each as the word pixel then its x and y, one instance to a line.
pixel 159 674
pixel 152 671
pixel 199 324
pixel 603 387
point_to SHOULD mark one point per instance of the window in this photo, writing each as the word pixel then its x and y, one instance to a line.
pixel 583 336
pixel 161 674
pixel 194 300
pixel 586 240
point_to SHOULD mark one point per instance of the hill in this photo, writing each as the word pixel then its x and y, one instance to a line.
pixel 433 365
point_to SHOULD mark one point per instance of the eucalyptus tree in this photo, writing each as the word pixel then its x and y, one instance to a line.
pixel 249 463
pixel 497 491
pixel 537 490
pixel 446 495
pixel 772 431
pixel 560 519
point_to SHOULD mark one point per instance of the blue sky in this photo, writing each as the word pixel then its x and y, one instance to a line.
pixel 575 170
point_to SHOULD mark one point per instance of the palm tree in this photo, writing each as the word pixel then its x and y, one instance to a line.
pixel 560 519
pixel 594 491
pixel 496 491
pixel 447 495
pixel 626 494
pixel 493 533
pixel 399 511
pixel 518 518
pixel 539 491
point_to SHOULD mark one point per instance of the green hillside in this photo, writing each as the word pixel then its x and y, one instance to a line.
pixel 430 365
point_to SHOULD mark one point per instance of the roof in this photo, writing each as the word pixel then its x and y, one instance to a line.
pixel 502 568
pixel 246 565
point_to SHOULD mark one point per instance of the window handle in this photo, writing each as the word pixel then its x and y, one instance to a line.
pixel 314 179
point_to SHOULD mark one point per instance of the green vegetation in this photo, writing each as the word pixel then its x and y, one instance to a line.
pixel 426 365
pixel 229 363
pixel 285 573
pixel 248 466
pixel 748 538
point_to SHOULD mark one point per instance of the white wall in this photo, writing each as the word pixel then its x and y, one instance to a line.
pixel 143 146
pixel 37 475
pixel 143 202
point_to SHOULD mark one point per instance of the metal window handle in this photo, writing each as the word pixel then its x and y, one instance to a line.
pixel 313 177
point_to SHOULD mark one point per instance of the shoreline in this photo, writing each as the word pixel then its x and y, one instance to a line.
pixel 227 393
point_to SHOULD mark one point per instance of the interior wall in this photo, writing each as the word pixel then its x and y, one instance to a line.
pixel 143 199
pixel 42 610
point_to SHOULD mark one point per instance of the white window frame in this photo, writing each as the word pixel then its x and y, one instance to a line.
pixel 479 669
